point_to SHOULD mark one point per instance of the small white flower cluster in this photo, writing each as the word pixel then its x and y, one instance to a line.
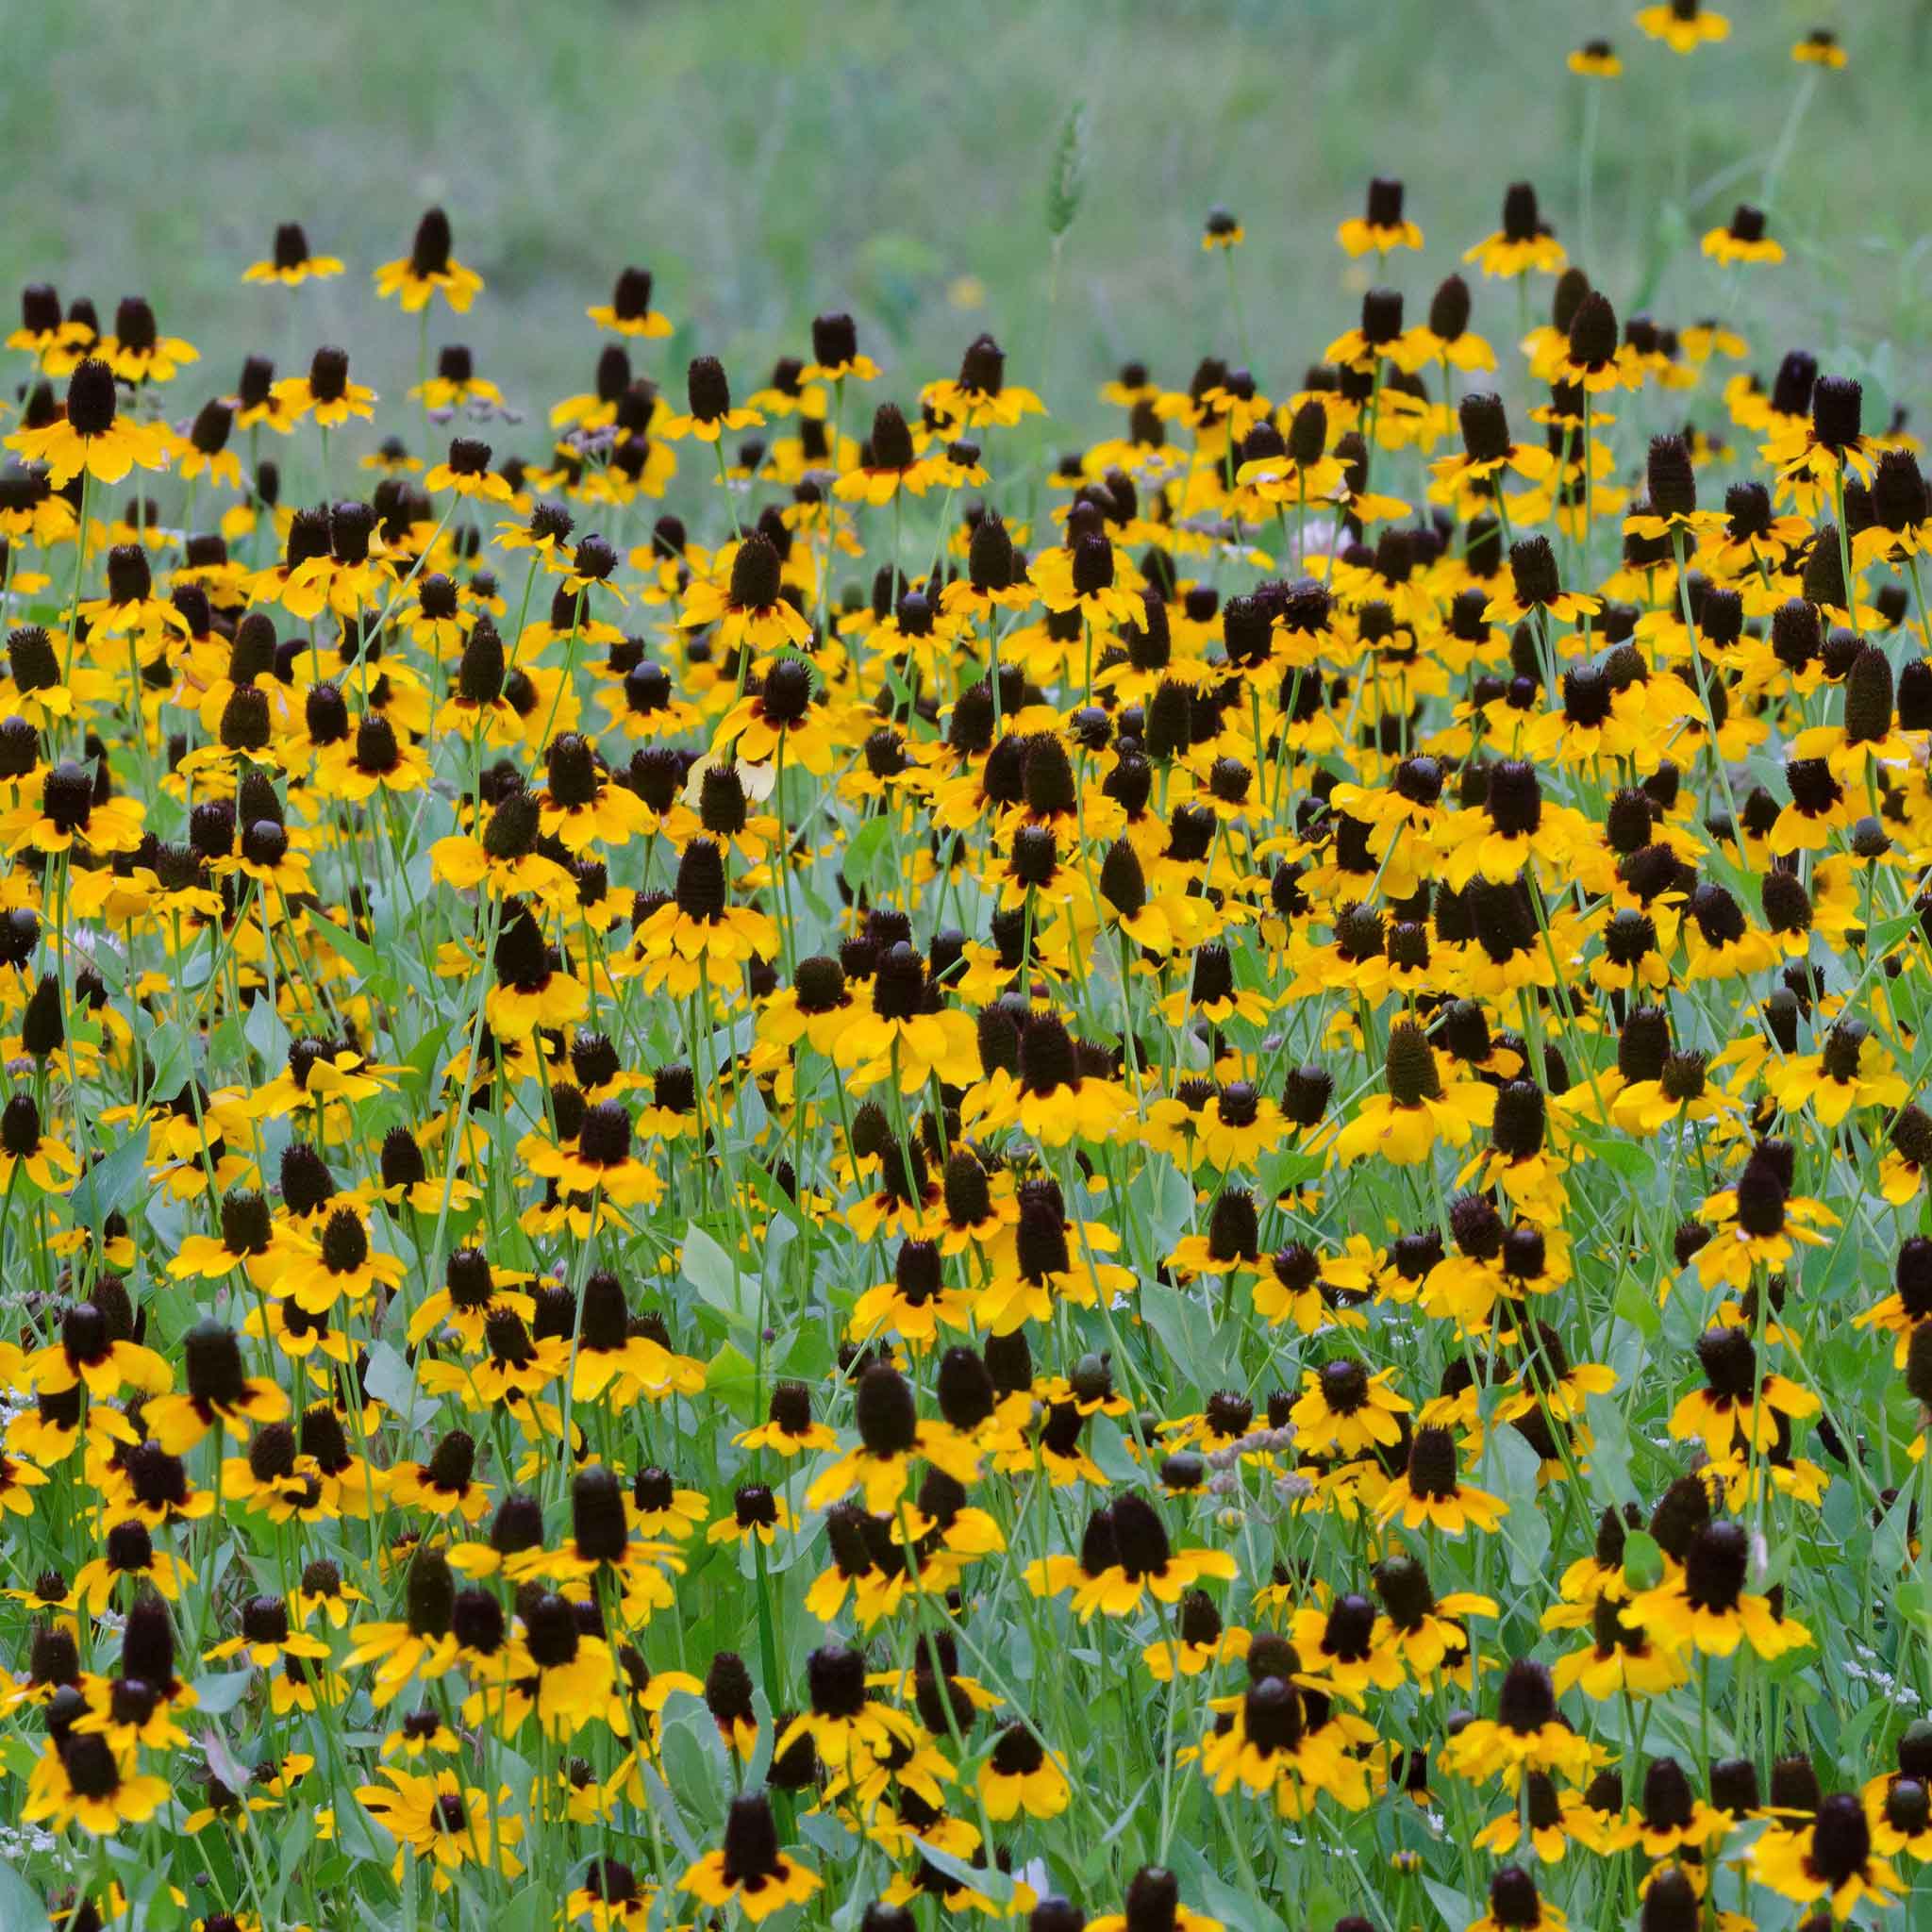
pixel 20 1841
pixel 90 941
pixel 1889 1688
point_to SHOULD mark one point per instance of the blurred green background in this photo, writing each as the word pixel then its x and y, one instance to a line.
pixel 768 159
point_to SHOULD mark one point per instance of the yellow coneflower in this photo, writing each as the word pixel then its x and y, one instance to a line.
pixel 325 393
pixel 443 1823
pixel 1683 26
pixel 1596 60
pixel 90 433
pixel 429 269
pixel 291 261
pixel 749 1868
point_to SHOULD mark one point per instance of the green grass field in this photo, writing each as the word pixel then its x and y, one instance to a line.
pixel 769 159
